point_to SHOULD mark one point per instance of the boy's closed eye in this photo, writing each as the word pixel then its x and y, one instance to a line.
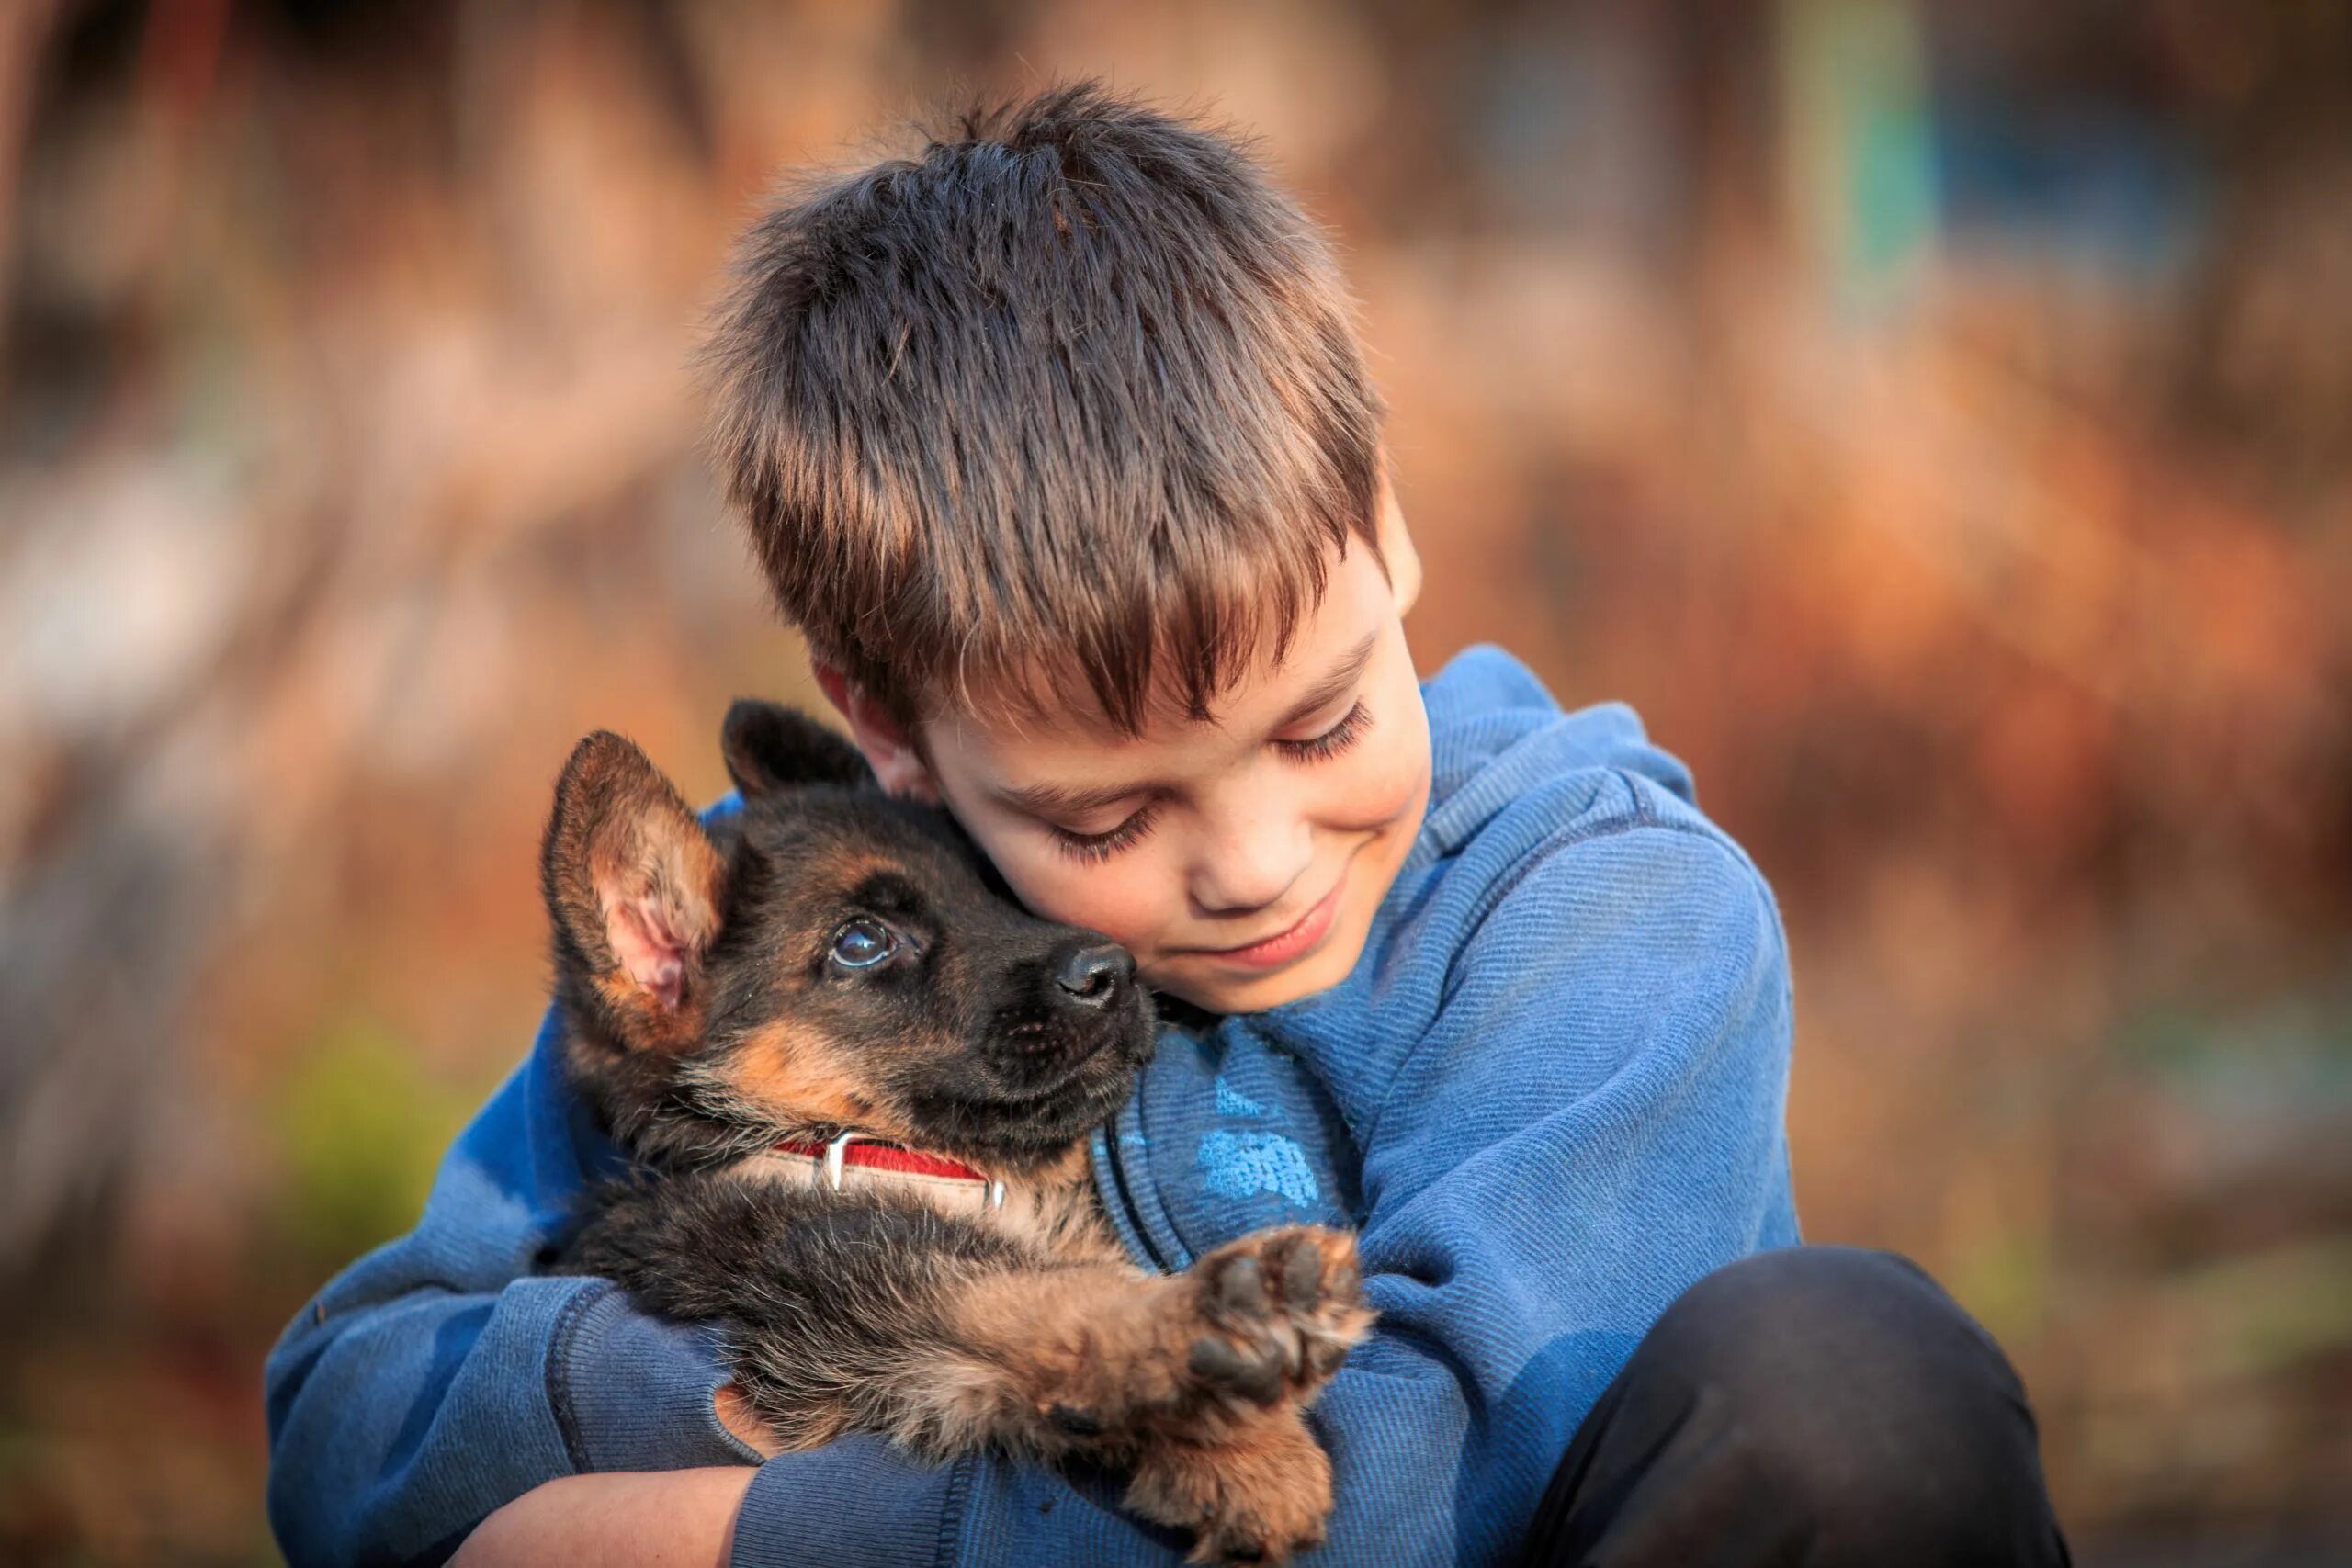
pixel 1091 844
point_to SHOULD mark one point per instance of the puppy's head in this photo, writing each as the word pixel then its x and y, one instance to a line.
pixel 827 959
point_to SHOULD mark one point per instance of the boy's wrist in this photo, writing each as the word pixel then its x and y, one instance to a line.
pixel 742 1423
pixel 879 1508
pixel 635 1392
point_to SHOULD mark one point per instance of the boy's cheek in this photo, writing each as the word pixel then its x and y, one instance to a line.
pixel 1392 777
pixel 1103 898
pixel 1388 792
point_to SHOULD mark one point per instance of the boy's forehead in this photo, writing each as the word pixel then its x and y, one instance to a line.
pixel 1050 710
pixel 1047 711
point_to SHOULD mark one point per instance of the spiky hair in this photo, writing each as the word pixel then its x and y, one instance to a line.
pixel 1077 388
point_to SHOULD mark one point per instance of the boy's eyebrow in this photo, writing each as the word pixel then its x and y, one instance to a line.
pixel 1329 689
pixel 1067 800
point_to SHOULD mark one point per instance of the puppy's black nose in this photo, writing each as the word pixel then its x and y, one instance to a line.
pixel 1093 976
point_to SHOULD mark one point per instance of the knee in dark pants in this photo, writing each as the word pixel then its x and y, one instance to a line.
pixel 1860 1391
pixel 1822 1406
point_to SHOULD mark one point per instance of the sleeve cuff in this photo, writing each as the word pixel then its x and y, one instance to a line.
pixel 633 1392
pixel 855 1502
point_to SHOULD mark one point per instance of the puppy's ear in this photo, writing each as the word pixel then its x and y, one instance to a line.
pixel 771 747
pixel 635 886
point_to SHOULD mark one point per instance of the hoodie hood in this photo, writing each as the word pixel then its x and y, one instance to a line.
pixel 1496 734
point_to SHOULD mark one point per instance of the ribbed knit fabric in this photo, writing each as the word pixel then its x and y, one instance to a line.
pixel 1549 1098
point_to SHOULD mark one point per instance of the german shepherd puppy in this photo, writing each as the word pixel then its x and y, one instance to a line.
pixel 829 962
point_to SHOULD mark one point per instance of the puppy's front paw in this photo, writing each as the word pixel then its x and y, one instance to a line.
pixel 1259 1495
pixel 1258 1325
pixel 1279 1310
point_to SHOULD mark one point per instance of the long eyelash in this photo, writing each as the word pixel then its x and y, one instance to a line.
pixel 1334 741
pixel 1093 846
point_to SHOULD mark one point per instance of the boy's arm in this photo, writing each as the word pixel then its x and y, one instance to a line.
pixel 1593 1122
pixel 436 1378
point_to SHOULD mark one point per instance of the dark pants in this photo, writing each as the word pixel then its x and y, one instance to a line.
pixel 1822 1407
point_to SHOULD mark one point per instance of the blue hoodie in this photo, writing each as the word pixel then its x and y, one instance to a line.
pixel 1548 1098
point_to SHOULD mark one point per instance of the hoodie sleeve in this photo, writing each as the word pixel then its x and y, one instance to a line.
pixel 438 1378
pixel 1593 1121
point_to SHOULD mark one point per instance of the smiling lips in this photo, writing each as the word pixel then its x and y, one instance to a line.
pixel 1283 946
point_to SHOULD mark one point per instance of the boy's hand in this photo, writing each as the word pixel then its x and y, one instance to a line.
pixel 676 1519
pixel 735 1414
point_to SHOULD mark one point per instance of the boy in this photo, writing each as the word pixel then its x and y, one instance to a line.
pixel 1056 443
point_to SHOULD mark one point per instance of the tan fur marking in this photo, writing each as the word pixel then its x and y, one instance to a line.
pixel 1125 1346
pixel 1102 1338
pixel 790 1073
pixel 957 1403
pixel 1264 1491
pixel 1056 1214
pixel 845 868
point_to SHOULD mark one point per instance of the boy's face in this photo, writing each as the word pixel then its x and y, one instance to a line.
pixel 1239 859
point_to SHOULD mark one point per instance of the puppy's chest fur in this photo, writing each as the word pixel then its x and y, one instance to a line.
pixel 1053 1214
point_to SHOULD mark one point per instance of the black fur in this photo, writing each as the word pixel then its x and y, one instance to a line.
pixel 823 1294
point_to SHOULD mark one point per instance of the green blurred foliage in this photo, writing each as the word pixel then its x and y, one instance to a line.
pixel 358 1124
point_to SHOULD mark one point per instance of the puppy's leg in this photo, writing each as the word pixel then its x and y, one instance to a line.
pixel 948 1335
pixel 1197 1381
pixel 889 1316
pixel 1259 1494
pixel 1263 1321
pixel 838 1310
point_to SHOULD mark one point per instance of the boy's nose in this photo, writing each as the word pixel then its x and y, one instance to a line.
pixel 1251 867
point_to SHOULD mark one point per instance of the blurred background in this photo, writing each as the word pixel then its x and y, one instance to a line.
pixel 1935 419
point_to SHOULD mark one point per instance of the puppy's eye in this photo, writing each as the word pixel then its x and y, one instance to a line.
pixel 862 944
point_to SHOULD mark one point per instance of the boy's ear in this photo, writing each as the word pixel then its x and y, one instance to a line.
pixel 634 887
pixel 897 761
pixel 1397 550
pixel 769 747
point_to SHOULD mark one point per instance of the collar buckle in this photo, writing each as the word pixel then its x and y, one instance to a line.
pixel 836 1163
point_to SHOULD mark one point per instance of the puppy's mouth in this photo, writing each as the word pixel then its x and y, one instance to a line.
pixel 1031 1117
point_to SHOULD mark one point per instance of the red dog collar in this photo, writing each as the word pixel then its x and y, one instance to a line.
pixel 856 1148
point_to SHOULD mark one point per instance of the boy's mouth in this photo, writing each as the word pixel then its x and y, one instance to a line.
pixel 1283 946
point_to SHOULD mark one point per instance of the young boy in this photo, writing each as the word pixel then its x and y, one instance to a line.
pixel 1056 442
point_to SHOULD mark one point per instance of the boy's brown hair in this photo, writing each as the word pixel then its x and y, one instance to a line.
pixel 1077 384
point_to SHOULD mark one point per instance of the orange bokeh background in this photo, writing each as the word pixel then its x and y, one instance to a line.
pixel 1936 419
